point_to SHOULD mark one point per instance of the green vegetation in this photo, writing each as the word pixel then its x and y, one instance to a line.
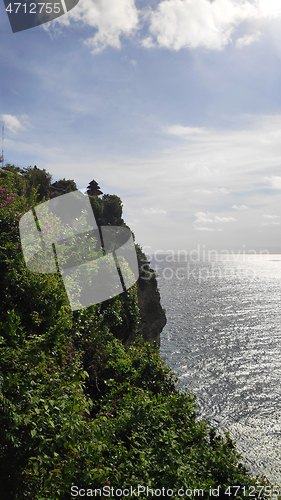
pixel 79 406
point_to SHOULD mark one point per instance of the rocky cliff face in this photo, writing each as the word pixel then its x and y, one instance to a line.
pixel 152 315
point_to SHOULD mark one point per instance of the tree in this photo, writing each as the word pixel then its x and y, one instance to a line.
pixel 62 186
pixel 13 176
pixel 112 210
pixel 36 177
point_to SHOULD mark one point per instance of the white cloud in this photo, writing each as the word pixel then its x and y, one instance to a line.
pixel 269 8
pixel 273 223
pixel 206 217
pixel 153 211
pixel 111 18
pixel 222 190
pixel 271 216
pixel 202 217
pixel 203 191
pixel 201 168
pixel 148 42
pixel 240 207
pixel 11 123
pixel 174 24
pixel 211 191
pixel 224 219
pixel 247 40
pixel 185 131
pixel 201 23
pixel 274 181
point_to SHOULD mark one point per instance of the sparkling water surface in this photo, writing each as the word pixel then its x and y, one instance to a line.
pixel 223 342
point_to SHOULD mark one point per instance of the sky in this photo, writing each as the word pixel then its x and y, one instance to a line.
pixel 173 105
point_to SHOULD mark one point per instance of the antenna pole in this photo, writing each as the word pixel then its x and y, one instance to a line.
pixel 2 147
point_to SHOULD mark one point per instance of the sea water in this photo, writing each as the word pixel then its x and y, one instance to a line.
pixel 223 342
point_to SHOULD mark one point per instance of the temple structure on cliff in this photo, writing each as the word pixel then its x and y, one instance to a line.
pixel 93 189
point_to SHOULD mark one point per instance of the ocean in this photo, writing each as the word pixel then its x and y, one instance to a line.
pixel 223 342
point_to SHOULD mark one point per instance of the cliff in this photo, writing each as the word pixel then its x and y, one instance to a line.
pixel 152 315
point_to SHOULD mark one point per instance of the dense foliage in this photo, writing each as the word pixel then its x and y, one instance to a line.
pixel 78 407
